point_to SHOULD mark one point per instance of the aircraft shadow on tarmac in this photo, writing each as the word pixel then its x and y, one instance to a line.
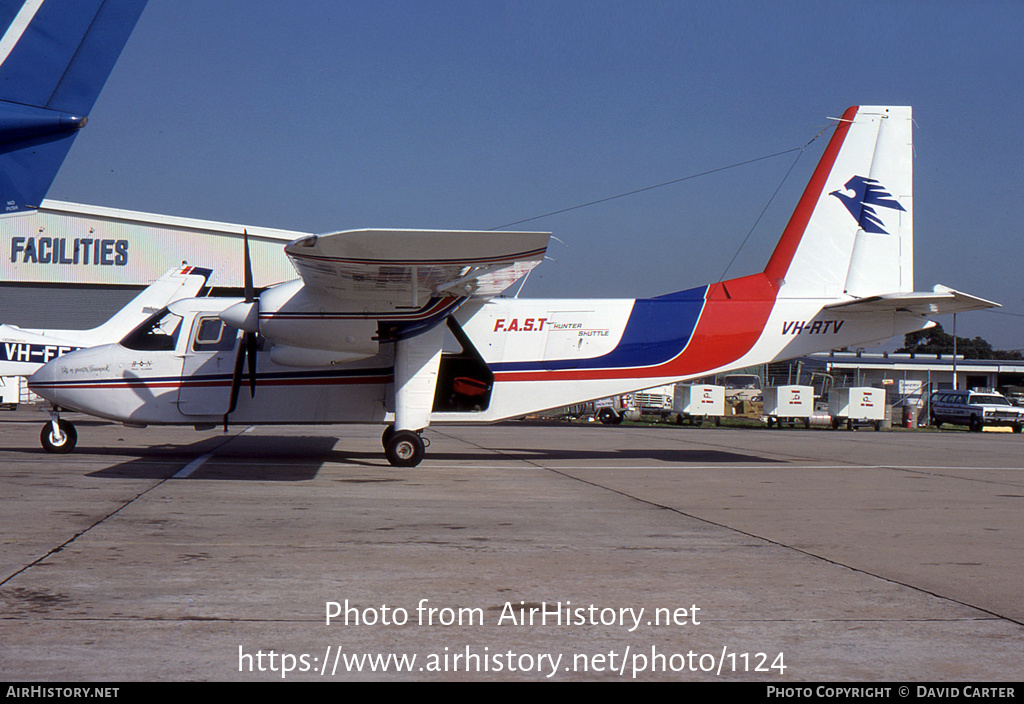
pixel 291 459
pixel 278 458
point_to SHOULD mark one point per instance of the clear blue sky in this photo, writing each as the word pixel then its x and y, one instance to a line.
pixel 323 116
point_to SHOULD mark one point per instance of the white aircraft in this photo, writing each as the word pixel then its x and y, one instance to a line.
pixel 406 328
pixel 23 351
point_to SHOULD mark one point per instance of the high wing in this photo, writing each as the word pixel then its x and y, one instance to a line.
pixel 362 287
pixel 409 267
pixel 941 301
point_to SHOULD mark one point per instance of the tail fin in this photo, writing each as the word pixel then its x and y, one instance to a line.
pixel 25 349
pixel 852 233
pixel 55 56
pixel 180 282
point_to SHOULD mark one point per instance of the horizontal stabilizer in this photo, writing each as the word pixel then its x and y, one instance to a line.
pixel 383 264
pixel 941 301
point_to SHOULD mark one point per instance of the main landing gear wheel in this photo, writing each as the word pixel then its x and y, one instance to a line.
pixel 404 448
pixel 389 432
pixel 61 440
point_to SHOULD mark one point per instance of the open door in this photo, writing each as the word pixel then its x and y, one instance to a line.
pixel 464 382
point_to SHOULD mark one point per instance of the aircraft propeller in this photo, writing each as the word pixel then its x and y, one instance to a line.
pixel 245 316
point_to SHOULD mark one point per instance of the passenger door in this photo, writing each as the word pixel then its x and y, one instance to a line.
pixel 207 368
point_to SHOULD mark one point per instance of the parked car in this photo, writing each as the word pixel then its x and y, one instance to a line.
pixel 975 409
pixel 741 387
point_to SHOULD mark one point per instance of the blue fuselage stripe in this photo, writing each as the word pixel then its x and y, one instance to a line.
pixel 658 329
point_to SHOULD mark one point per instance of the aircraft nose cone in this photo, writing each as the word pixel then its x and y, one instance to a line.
pixel 244 316
pixel 42 382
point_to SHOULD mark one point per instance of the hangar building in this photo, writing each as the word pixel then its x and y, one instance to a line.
pixel 71 266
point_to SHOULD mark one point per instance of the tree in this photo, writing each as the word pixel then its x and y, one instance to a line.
pixel 937 341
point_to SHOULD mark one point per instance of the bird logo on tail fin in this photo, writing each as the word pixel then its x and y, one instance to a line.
pixel 868 194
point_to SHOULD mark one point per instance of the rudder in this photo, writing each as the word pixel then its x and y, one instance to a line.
pixel 852 232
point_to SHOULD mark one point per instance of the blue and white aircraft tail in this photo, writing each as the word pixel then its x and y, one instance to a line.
pixel 55 56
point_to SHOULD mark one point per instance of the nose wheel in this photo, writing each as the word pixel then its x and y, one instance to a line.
pixel 59 436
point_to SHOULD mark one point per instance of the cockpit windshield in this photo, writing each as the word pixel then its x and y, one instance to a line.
pixel 158 333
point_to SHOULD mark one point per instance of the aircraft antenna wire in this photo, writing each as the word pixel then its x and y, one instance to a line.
pixel 634 192
pixel 799 153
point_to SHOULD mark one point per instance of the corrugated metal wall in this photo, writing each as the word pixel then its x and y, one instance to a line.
pixel 62 307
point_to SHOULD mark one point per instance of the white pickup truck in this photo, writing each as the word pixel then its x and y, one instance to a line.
pixel 975 409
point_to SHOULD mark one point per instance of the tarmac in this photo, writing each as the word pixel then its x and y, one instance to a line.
pixel 519 551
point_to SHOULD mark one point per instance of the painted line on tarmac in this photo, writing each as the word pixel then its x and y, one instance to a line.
pixel 186 471
pixel 682 466
pixel 192 466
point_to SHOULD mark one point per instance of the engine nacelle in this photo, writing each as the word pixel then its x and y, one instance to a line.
pixel 303 357
pixel 291 315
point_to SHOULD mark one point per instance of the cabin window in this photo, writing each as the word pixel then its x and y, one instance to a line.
pixel 212 335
